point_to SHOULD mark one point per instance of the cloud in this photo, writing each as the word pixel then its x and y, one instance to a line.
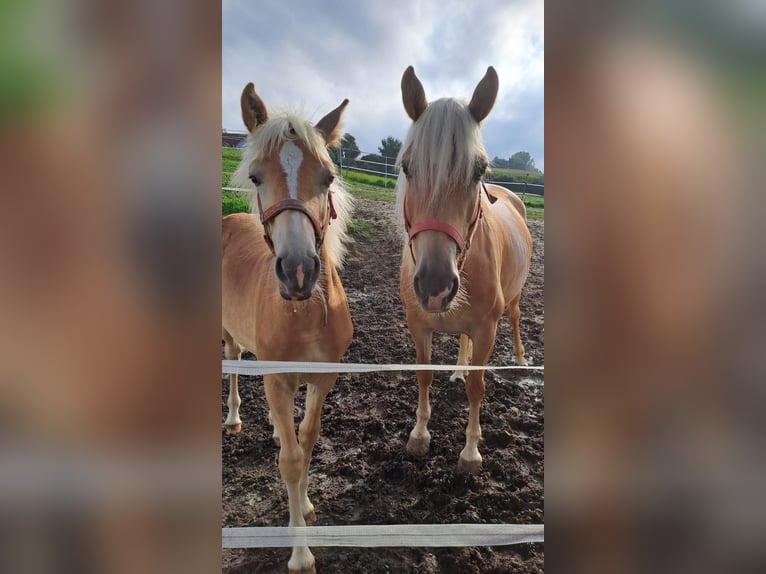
pixel 311 55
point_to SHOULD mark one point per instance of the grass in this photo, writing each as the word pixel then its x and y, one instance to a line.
pixel 360 229
pixel 535 206
pixel 365 186
pixel 234 202
pixel 230 158
pixel 514 175
pixel 368 179
pixel 366 191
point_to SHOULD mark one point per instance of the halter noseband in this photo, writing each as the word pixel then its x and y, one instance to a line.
pixel 446 228
pixel 296 205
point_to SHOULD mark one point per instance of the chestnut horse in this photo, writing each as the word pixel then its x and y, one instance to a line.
pixel 468 248
pixel 282 297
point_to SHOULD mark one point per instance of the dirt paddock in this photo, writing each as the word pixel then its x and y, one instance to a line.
pixel 361 472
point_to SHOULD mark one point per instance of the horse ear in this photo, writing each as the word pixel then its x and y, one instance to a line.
pixel 484 95
pixel 253 109
pixel 413 95
pixel 330 124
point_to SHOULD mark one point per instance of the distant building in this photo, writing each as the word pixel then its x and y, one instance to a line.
pixel 233 139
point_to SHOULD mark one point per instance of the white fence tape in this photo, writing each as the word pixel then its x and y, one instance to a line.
pixel 390 535
pixel 255 368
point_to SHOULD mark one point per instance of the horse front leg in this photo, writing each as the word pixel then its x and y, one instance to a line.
pixel 275 433
pixel 308 432
pixel 420 438
pixel 280 394
pixel 483 343
pixel 463 356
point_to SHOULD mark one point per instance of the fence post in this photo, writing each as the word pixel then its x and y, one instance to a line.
pixel 385 179
pixel 524 193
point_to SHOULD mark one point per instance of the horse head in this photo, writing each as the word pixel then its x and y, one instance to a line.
pixel 442 162
pixel 292 173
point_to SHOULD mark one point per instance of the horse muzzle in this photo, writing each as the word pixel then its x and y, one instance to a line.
pixel 435 291
pixel 297 276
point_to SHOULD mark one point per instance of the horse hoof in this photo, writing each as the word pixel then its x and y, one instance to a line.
pixel 457 377
pixel 418 446
pixel 310 518
pixel 521 361
pixel 468 466
pixel 233 429
pixel 310 570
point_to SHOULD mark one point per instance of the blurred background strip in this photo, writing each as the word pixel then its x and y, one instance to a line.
pixel 109 286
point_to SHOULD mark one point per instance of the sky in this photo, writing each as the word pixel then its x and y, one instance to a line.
pixel 311 55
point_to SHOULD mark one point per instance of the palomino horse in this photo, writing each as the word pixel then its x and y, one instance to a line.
pixel 468 250
pixel 282 297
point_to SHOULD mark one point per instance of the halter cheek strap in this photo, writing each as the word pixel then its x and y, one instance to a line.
pixel 446 228
pixel 296 205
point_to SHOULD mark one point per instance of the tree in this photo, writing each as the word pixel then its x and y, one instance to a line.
pixel 389 147
pixel 499 162
pixel 349 148
pixel 522 160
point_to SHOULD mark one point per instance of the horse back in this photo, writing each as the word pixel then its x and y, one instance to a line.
pixel 243 265
pixel 515 240
pixel 507 197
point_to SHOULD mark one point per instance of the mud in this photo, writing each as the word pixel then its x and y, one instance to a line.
pixel 361 472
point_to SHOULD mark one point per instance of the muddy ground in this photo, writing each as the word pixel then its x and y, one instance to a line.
pixel 361 472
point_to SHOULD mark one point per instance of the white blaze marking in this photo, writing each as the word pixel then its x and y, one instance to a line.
pixel 291 157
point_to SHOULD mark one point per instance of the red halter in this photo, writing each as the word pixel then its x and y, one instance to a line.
pixel 296 205
pixel 444 227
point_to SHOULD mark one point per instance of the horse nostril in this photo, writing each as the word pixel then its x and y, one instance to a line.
pixel 455 287
pixel 317 267
pixel 416 285
pixel 281 275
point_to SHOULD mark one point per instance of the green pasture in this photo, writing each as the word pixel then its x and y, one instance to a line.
pixel 229 161
pixel 513 175
pixel 362 185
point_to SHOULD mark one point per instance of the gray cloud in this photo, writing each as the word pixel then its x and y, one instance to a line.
pixel 311 55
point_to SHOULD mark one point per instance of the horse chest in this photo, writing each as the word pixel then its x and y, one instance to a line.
pixel 301 335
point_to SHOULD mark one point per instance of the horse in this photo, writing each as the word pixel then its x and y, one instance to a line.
pixel 467 248
pixel 282 298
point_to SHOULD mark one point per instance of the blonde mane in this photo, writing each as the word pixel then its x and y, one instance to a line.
pixel 288 125
pixel 442 147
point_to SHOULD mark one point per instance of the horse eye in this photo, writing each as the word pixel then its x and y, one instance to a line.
pixel 256 180
pixel 329 179
pixel 479 171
